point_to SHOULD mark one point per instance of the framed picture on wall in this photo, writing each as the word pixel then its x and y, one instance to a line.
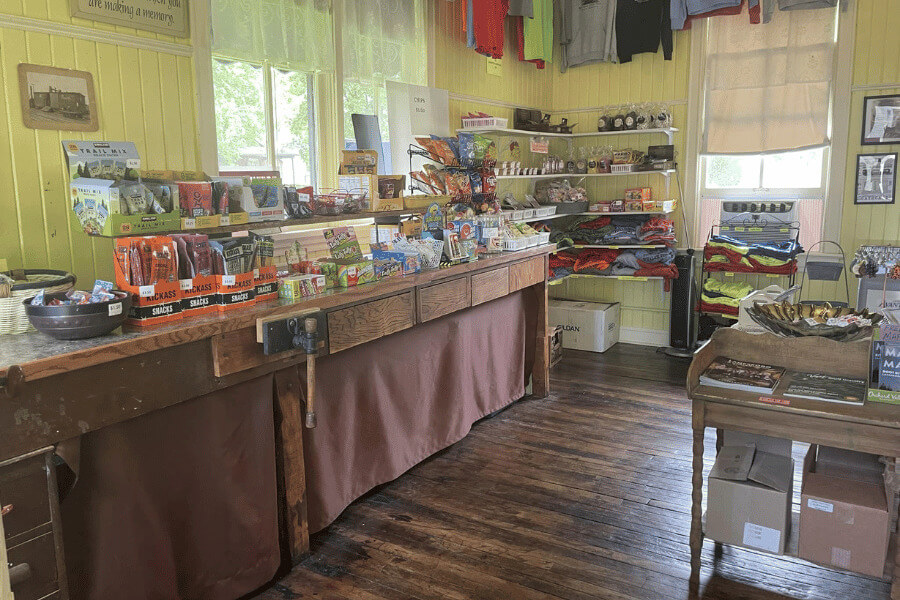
pixel 60 99
pixel 876 178
pixel 881 120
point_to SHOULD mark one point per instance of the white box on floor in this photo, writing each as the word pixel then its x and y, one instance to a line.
pixel 591 326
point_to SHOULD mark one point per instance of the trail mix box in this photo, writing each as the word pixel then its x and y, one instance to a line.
pixel 107 196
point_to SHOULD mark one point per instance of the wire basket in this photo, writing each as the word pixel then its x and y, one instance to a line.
pixel 621 168
pixel 13 318
pixel 435 260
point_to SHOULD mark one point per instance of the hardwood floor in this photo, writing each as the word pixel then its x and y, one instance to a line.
pixel 584 495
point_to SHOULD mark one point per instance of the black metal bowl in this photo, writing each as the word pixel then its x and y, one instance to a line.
pixel 78 321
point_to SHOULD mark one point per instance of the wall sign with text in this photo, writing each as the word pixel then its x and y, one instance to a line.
pixel 160 16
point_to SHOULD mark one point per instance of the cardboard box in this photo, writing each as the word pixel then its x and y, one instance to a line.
pixel 265 281
pixel 762 443
pixel 422 201
pixel 359 162
pixel 150 304
pixel 586 325
pixel 260 195
pixel 844 516
pixel 361 184
pixel 383 204
pixel 350 272
pixel 295 287
pixel 411 227
pixel 101 207
pixel 198 295
pixel 749 499
pixel 235 291
pixel 642 194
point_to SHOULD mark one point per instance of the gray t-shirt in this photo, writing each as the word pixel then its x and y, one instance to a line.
pixel 587 31
pixel 522 8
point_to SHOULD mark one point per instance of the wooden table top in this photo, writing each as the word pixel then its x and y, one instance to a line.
pixel 39 355
pixel 807 354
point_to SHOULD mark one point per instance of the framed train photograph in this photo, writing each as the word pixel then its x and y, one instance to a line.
pixel 57 98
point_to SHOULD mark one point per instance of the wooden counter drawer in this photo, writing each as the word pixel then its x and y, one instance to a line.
pixel 490 285
pixel 36 559
pixel 443 298
pixel 23 485
pixel 365 322
pixel 527 273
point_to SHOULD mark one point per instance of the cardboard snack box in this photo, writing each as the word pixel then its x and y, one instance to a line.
pixel 265 280
pixel 258 194
pixel 198 295
pixel 295 287
pixel 107 207
pixel 235 291
pixel 151 304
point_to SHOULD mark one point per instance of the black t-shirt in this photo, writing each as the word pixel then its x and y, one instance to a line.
pixel 640 26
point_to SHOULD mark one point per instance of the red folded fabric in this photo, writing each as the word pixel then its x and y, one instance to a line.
pixel 595 259
pixel 669 272
pixel 732 255
pixel 754 267
pixel 597 223
pixel 719 308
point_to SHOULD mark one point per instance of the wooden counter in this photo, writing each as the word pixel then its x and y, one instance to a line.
pixel 51 390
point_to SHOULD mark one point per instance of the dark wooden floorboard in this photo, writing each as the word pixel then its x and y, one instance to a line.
pixel 584 495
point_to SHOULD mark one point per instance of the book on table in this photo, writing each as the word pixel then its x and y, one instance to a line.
pixel 828 388
pixel 740 375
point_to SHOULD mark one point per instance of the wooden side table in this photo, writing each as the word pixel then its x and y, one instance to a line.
pixel 872 427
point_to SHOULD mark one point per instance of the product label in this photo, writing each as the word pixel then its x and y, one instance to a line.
pixel 115 309
pixel 146 291
pixel 224 220
pixel 763 538
pixel 840 558
pixel 228 280
pixel 190 223
pixel 819 505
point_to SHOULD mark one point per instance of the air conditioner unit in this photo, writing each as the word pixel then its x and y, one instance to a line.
pixel 758 221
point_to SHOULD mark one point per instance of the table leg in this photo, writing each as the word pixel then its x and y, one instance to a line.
pixel 697 493
pixel 540 373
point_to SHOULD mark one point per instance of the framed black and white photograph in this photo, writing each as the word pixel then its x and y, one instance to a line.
pixel 876 178
pixel 881 120
pixel 60 99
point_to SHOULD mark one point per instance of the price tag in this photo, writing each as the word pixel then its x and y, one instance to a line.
pixel 225 220
pixel 784 230
pixel 185 284
pixel 146 291
pixel 740 229
pixel 727 274
pixel 228 280
pixel 115 309
pixel 495 66
pixel 190 223
pixel 614 247
pixel 755 229
pixel 631 278
pixel 772 275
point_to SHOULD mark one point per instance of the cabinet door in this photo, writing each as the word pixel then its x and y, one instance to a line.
pixel 527 273
pixel 365 322
pixel 490 285
pixel 443 298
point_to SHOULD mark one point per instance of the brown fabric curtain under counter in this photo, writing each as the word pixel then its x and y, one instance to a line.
pixel 177 504
pixel 385 406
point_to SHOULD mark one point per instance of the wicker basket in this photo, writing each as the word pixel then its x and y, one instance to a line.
pixel 12 312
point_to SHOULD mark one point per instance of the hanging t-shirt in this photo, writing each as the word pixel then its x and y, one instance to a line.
pixel 520 43
pixel 586 30
pixel 539 32
pixel 681 9
pixel 521 8
pixel 755 17
pixel 769 6
pixel 488 17
pixel 470 23
pixel 641 25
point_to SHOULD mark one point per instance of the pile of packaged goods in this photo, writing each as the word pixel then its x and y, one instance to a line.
pixel 188 274
pixel 634 116
pixel 102 292
pixel 467 173
pixel 557 191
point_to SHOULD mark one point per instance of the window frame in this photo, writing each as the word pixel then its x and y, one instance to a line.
pixel 271 114
pixel 764 193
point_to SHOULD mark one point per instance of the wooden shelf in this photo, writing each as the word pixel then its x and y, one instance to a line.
pixel 312 220
pixel 664 172
pixel 667 131
pixel 595 214
pixel 622 277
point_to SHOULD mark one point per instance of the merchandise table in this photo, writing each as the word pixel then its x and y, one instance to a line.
pixel 873 428
pixel 107 392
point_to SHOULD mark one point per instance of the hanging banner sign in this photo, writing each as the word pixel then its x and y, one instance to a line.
pixel 159 16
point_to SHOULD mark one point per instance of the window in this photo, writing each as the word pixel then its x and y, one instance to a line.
pixel 367 98
pixel 767 122
pixel 798 176
pixel 264 119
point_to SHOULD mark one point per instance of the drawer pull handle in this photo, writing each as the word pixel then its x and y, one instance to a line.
pixel 5 510
pixel 19 574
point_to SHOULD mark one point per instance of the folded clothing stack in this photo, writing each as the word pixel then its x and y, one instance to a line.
pixel 657 230
pixel 723 253
pixel 562 264
pixel 722 297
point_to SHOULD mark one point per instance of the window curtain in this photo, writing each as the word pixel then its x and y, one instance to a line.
pixel 295 34
pixel 769 86
pixel 384 40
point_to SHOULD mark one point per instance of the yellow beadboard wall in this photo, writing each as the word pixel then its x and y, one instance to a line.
pixel 579 95
pixel 143 96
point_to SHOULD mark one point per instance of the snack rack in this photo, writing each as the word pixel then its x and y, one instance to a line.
pixel 473 199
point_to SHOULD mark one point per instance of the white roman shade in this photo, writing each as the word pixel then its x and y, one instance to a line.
pixel 769 86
